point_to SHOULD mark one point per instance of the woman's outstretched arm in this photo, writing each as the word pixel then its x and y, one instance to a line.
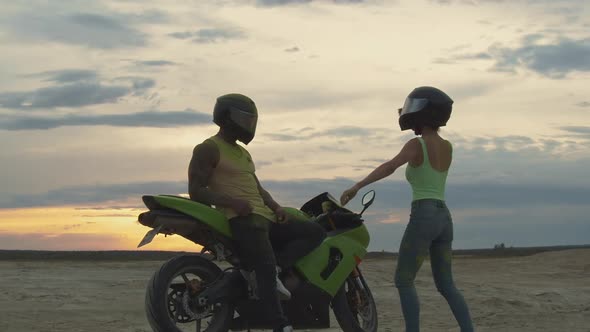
pixel 407 153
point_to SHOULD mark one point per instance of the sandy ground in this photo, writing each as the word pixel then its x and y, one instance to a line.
pixel 544 292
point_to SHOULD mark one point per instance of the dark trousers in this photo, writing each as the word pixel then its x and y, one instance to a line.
pixel 256 238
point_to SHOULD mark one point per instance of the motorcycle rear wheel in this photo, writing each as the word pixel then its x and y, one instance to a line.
pixel 169 301
pixel 354 306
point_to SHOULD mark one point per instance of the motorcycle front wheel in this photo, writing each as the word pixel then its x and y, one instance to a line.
pixel 169 300
pixel 354 306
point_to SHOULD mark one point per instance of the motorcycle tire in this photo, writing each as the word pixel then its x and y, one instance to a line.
pixel 343 310
pixel 157 299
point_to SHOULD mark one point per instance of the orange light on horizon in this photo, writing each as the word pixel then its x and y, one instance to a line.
pixel 80 228
pixel 391 219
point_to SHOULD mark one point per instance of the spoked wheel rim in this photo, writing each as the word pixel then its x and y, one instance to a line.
pixel 183 310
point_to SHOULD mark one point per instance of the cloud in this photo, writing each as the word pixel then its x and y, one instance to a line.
pixel 346 131
pixel 155 63
pixel 155 119
pixel 462 57
pixel 314 96
pixel 554 60
pixel 578 131
pixel 395 194
pixel 271 3
pixel 280 2
pixel 68 227
pixel 215 35
pixel 88 29
pixel 392 194
pixel 483 231
pixel 511 141
pixel 68 75
pixel 83 195
pixel 479 2
pixel 80 89
pixel 182 35
pixel 336 132
pixel 329 148
pixel 69 95
pixel 150 16
pixel 139 83
pixel 283 137
pixel 212 35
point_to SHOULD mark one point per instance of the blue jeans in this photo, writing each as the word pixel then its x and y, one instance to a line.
pixel 430 230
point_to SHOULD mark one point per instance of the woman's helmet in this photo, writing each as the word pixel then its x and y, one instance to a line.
pixel 425 106
pixel 237 113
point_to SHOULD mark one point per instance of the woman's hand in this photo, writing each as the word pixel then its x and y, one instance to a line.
pixel 348 194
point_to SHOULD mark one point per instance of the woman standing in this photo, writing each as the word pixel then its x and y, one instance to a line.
pixel 430 230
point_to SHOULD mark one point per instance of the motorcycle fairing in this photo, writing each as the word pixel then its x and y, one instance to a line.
pixel 331 263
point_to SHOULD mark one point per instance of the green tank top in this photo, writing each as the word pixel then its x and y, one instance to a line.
pixel 426 182
pixel 234 176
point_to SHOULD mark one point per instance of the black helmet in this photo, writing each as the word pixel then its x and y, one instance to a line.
pixel 237 113
pixel 425 106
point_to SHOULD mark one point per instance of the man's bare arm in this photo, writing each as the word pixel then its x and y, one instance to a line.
pixel 204 160
pixel 267 198
pixel 272 204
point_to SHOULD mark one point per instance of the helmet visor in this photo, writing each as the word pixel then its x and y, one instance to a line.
pixel 244 120
pixel 413 105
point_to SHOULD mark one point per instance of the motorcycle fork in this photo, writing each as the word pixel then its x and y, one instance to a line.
pixel 355 274
pixel 357 297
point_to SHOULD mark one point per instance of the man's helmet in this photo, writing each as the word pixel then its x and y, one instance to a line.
pixel 425 106
pixel 237 113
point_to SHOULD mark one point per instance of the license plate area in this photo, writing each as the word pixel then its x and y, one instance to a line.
pixel 149 236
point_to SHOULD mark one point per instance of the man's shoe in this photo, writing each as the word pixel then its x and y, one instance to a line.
pixel 250 277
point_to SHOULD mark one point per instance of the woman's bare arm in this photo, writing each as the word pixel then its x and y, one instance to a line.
pixel 407 153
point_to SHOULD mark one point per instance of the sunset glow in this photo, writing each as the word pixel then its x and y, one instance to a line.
pixel 75 228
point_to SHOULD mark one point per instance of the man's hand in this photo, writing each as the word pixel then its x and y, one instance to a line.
pixel 241 207
pixel 281 215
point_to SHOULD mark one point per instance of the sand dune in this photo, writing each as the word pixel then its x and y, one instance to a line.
pixel 543 292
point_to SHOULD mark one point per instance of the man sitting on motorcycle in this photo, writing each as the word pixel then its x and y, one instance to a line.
pixel 222 173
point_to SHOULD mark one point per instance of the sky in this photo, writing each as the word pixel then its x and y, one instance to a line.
pixel 102 102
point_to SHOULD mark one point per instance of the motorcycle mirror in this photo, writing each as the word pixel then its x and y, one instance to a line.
pixel 367 200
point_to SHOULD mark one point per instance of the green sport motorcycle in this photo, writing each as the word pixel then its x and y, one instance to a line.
pixel 208 292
